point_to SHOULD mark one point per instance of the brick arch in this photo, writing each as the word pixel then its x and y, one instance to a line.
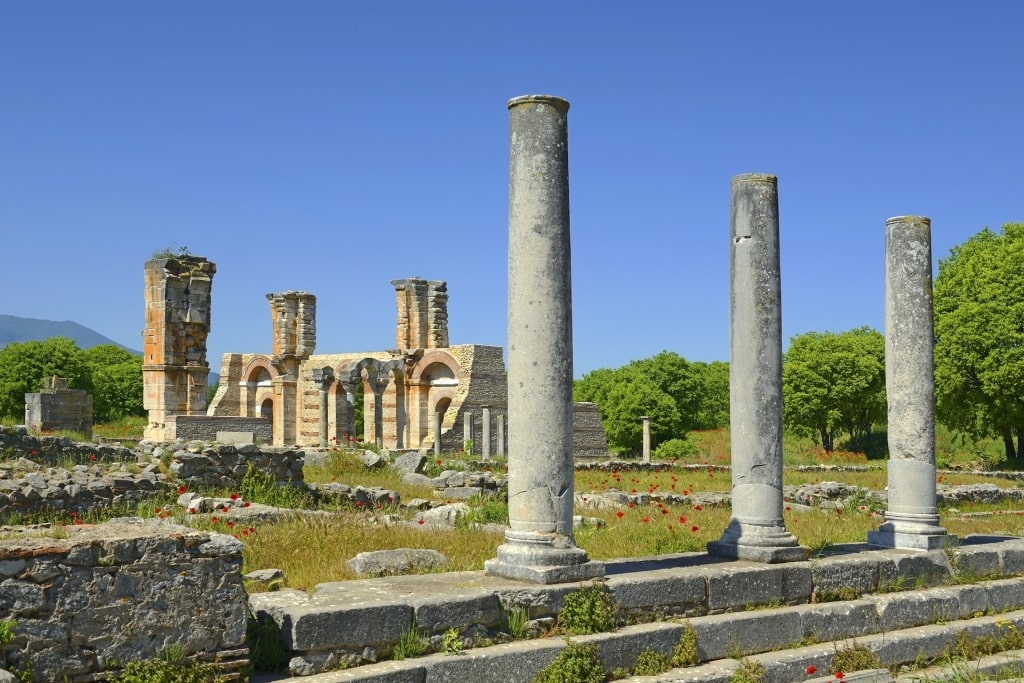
pixel 425 397
pixel 253 398
pixel 430 359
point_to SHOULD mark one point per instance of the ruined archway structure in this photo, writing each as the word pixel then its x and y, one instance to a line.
pixel 401 388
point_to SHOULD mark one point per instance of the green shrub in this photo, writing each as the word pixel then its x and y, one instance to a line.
pixel 674 449
pixel 651 663
pixel 577 663
pixel 685 651
pixel 160 671
pixel 588 610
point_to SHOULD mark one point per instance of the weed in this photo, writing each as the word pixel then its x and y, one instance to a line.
pixel 588 610
pixel 651 663
pixel 577 663
pixel 516 619
pixel 7 631
pixel 855 658
pixel 160 671
pixel 749 672
pixel 451 641
pixel 413 644
pixel 841 594
pixel 260 487
pixel 685 651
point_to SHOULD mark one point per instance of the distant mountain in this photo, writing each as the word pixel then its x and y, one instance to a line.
pixel 15 329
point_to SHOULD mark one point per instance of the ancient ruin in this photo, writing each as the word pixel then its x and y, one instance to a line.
pixel 58 408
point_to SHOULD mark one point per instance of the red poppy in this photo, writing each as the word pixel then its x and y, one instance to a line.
pixel 682 519
pixel 694 528
pixel 619 514
pixel 839 675
pixel 182 489
pixel 645 519
pixel 811 669
pixel 420 521
pixel 235 496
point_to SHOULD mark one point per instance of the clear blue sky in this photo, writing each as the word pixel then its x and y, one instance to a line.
pixel 335 146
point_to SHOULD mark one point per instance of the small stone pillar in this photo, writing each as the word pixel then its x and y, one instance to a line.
pixel 911 519
pixel 539 546
pixel 757 530
pixel 647 438
pixel 467 432
pixel 500 419
pixel 485 433
pixel 437 433
pixel 323 378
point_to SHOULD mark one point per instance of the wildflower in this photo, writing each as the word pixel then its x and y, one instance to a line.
pixel 223 508
pixel 245 532
pixel 421 521
pixel 229 523
pixel 33 452
pixel 811 669
pixel 92 456
pixel 77 521
pixel 213 520
pixel 698 508
pixel 182 489
pixel 438 462
pixel 157 511
pixel 645 519
pixel 619 514
pixel 682 519
pixel 839 675
pixel 359 503
pixel 191 511
pixel 694 528
pixel 631 505
pixel 235 496
pixel 686 492
pixel 664 511
pixel 246 504
pixel 863 508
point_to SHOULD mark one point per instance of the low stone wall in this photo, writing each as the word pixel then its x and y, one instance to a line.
pixel 86 600
pixel 17 442
pixel 205 427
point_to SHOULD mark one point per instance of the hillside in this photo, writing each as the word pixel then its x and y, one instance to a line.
pixel 15 329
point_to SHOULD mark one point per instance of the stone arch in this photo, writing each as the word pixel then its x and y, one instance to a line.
pixel 432 385
pixel 257 387
pixel 384 409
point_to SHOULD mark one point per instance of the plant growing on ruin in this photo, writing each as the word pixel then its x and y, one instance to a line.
pixel 577 663
pixel 749 672
pixel 160 671
pixel 516 620
pixel 588 610
pixel 855 658
pixel 451 641
pixel 685 651
pixel 411 644
pixel 651 663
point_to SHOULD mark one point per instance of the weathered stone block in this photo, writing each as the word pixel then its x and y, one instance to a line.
pixel 910 608
pixel 837 620
pixel 728 635
pixel 437 613
pixel 738 587
pixel 835 575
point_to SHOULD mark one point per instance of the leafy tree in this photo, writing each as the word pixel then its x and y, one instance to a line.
pixel 627 402
pixel 979 332
pixel 677 378
pixel 833 383
pixel 117 390
pixel 714 404
pixel 25 365
pixel 108 354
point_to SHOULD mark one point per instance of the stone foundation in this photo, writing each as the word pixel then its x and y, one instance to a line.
pixel 86 600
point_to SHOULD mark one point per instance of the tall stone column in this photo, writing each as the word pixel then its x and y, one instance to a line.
pixel 756 531
pixel 500 419
pixel 911 519
pixel 539 545
pixel 485 433
pixel 437 433
pixel 467 432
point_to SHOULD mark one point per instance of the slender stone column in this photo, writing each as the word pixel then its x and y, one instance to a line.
pixel 437 432
pixel 539 545
pixel 647 438
pixel 501 435
pixel 756 531
pixel 911 520
pixel 485 433
pixel 467 432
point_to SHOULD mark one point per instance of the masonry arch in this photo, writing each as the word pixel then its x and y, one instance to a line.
pixel 433 383
pixel 257 387
pixel 382 383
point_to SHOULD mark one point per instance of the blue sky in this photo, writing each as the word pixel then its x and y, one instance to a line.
pixel 335 146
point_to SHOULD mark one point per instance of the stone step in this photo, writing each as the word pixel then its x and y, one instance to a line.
pixel 733 606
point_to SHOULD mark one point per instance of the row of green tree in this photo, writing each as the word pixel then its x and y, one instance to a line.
pixel 110 373
pixel 834 383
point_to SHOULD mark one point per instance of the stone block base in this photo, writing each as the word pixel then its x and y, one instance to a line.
pixel 535 560
pixel 757 553
pixel 901 539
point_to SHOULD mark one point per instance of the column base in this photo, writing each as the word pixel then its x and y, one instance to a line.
pixel 934 539
pixel 542 558
pixel 770 544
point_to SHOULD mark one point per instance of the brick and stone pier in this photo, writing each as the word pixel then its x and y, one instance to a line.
pixel 911 519
pixel 756 531
pixel 539 546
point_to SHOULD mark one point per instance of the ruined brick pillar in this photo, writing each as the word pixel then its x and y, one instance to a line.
pixel 174 367
pixel 422 314
pixel 293 315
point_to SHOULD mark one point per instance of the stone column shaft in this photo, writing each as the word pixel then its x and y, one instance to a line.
pixel 911 518
pixel 437 433
pixel 501 435
pixel 485 433
pixel 539 544
pixel 756 531
pixel 647 438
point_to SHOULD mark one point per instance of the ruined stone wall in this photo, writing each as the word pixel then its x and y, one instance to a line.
pixel 59 408
pixel 293 315
pixel 205 428
pixel 588 439
pixel 174 369
pixel 93 598
pixel 481 383
pixel 422 314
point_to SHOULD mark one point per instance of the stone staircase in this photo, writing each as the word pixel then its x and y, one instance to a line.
pixel 786 621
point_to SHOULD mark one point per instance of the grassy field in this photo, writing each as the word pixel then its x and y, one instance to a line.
pixel 312 550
